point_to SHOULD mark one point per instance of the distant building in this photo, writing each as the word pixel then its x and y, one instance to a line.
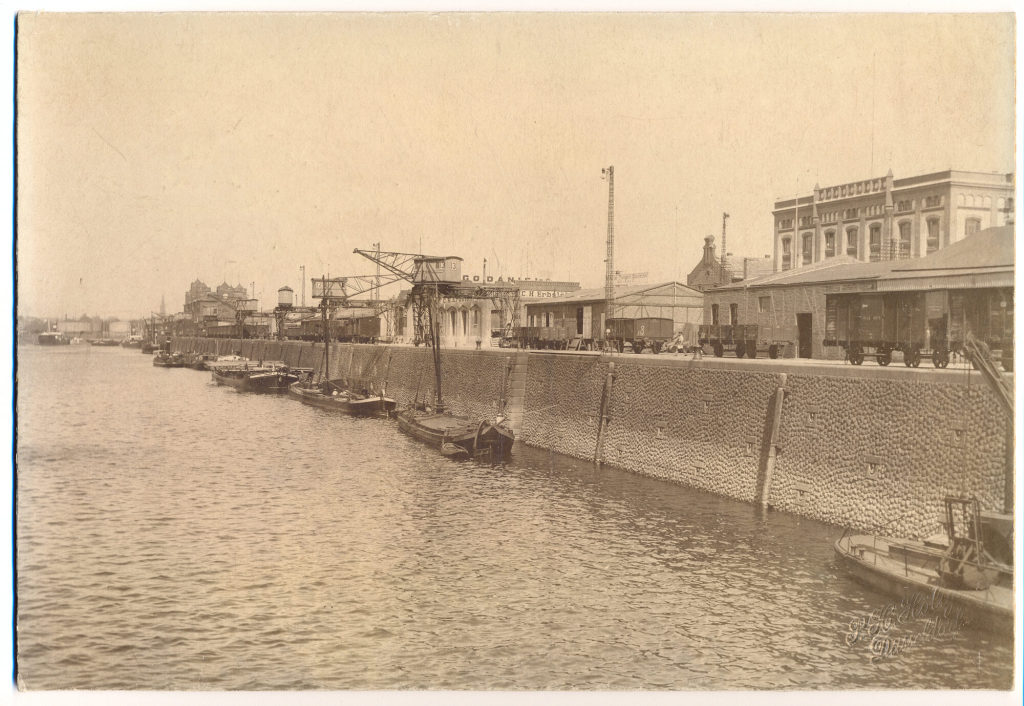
pixel 889 219
pixel 226 291
pixel 712 272
pixel 196 291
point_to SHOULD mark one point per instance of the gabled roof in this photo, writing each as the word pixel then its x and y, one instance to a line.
pixel 619 292
pixel 834 269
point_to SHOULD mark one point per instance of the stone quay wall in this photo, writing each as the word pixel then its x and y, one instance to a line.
pixel 870 449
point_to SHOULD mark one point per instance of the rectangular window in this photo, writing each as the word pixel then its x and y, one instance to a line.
pixel 850 213
pixel 875 244
pixel 714 314
pixel 808 248
pixel 904 251
pixel 973 225
pixel 763 304
pixel 734 314
pixel 830 244
pixel 787 255
pixel 932 201
pixel 851 242
pixel 933 235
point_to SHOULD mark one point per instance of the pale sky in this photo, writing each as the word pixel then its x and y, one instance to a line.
pixel 154 149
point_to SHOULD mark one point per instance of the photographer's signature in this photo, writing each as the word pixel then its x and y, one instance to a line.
pixel 928 616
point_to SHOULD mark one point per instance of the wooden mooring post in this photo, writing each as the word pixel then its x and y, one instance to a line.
pixel 773 438
pixel 605 414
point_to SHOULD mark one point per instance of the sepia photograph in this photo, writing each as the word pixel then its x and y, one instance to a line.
pixel 503 352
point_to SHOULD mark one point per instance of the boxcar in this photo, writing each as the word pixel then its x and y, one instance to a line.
pixel 640 333
pixel 918 324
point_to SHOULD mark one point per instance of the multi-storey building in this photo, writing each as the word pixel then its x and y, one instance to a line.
pixel 889 219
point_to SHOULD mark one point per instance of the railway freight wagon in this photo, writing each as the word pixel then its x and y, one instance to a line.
pixel 236 331
pixel 639 333
pixel 562 334
pixel 362 329
pixel 742 339
pixel 919 324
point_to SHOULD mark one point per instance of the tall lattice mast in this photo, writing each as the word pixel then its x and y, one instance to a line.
pixel 609 270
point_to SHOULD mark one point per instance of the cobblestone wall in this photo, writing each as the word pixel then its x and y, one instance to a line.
pixel 879 453
pixel 869 453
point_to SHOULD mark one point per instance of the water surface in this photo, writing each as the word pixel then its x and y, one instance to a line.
pixel 172 534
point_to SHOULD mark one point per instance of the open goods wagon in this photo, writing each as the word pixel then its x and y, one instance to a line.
pixel 237 331
pixel 562 334
pixel 743 339
pixel 919 324
pixel 363 329
pixel 639 333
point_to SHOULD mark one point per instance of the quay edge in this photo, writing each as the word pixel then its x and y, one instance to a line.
pixel 874 450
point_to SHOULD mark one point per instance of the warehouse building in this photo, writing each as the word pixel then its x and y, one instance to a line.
pixel 790 308
pixel 581 316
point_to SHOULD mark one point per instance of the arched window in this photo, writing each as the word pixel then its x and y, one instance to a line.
pixel 851 242
pixel 875 243
pixel 830 243
pixel 904 245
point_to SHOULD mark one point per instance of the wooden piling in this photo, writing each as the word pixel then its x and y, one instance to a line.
pixel 605 415
pixel 776 422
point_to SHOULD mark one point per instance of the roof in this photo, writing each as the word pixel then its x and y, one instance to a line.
pixel 992 247
pixel 990 251
pixel 834 269
pixel 619 292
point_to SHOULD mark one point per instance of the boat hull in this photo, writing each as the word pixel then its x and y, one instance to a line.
pixel 458 437
pixel 369 406
pixel 271 382
pixel 899 568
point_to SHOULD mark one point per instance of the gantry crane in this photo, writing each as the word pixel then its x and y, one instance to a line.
pixel 427 288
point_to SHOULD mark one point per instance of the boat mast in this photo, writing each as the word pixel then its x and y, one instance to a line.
pixel 435 345
pixel 327 336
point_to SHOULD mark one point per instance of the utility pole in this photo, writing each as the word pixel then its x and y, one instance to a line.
pixel 609 270
pixel 724 216
pixel 303 269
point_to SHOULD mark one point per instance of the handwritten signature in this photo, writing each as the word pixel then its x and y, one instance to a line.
pixel 942 618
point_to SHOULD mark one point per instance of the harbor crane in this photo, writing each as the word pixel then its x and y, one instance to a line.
pixel 427 287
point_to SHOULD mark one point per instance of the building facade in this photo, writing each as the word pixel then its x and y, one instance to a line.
pixel 790 308
pixel 713 271
pixel 889 219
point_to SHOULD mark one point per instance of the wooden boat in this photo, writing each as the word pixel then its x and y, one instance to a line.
pixel 52 338
pixel 333 394
pixel 458 437
pixel 453 436
pixel 198 361
pixel 226 361
pixel 163 359
pixel 260 378
pixel 970 571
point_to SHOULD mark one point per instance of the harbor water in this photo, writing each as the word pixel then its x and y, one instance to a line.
pixel 172 534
